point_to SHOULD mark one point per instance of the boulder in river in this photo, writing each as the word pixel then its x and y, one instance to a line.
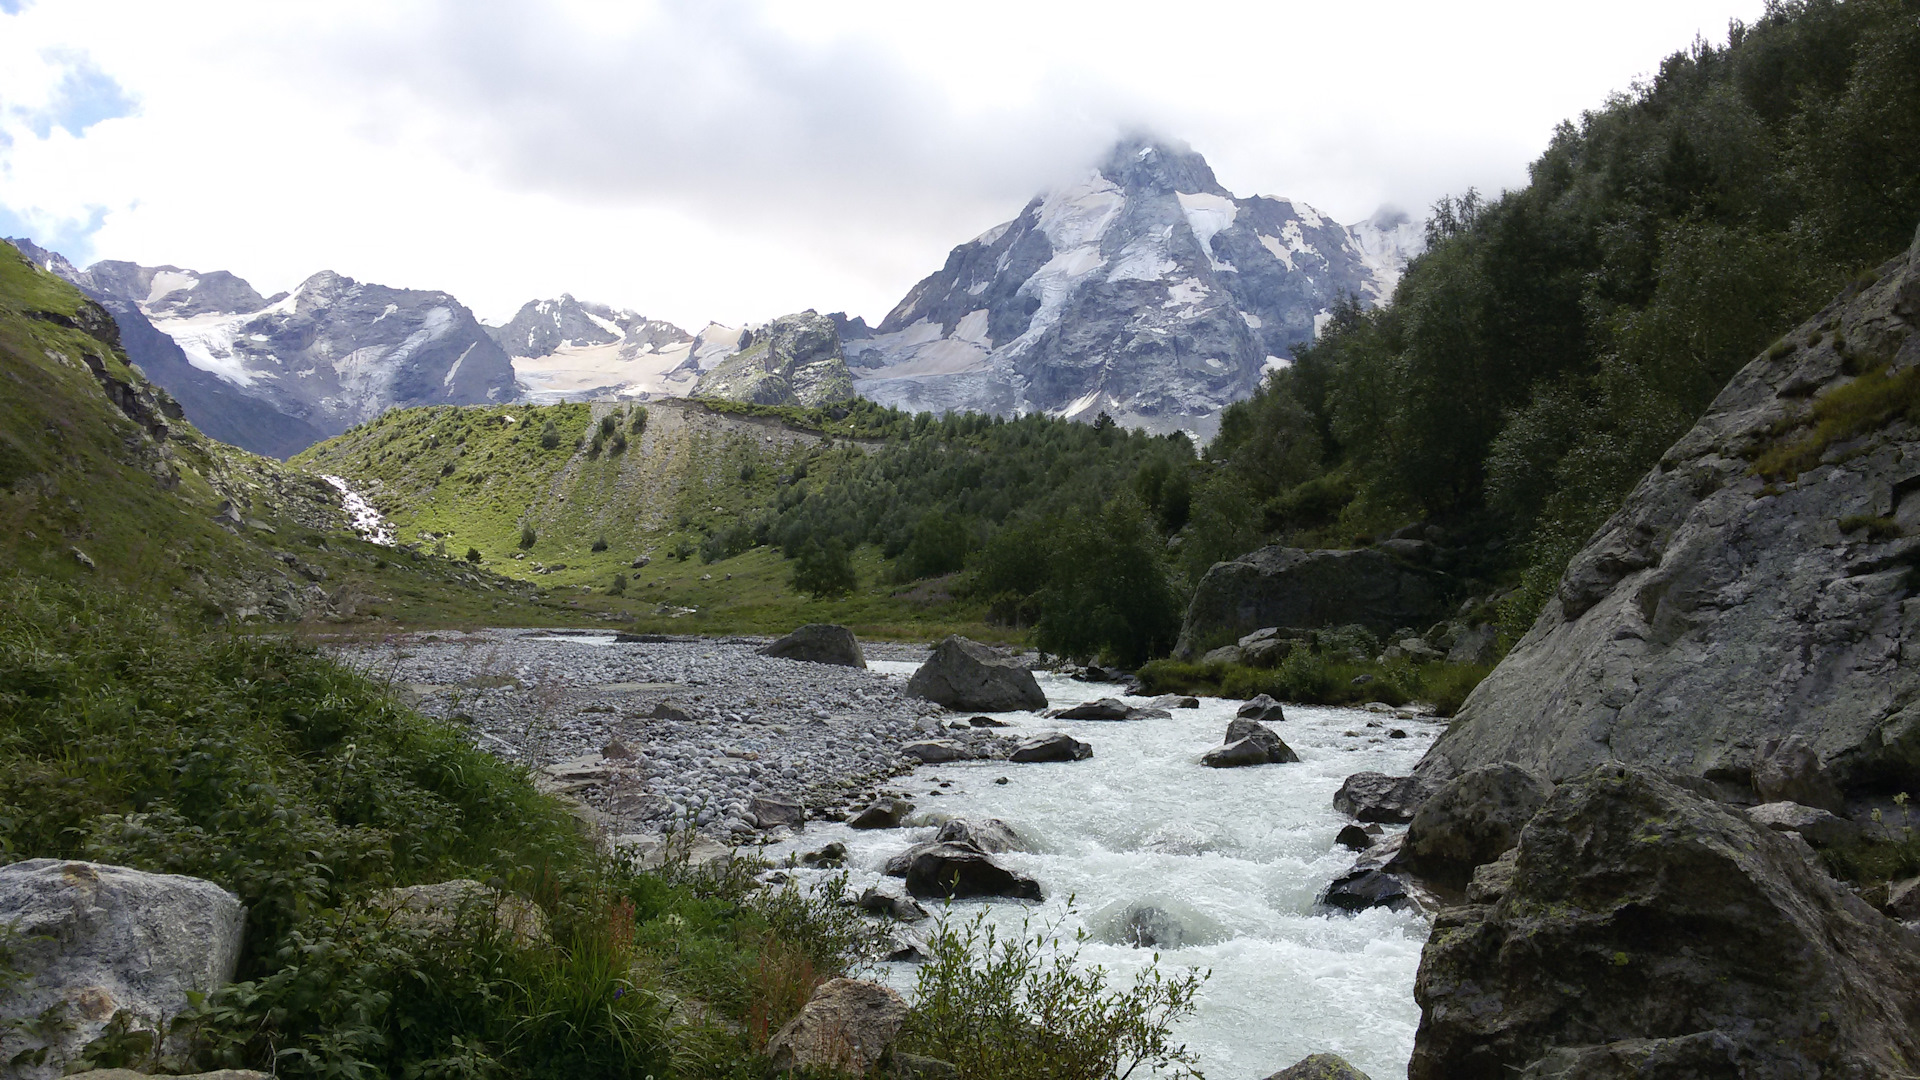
pixel 1262 709
pixel 1723 606
pixel 1249 742
pixel 1320 1067
pixel 1175 701
pixel 885 813
pixel 1390 800
pixel 961 871
pixel 1053 746
pixel 891 904
pixel 1353 838
pixel 1360 889
pixel 92 941
pixel 990 835
pixel 1650 931
pixel 963 674
pixel 1291 588
pixel 1470 820
pixel 819 643
pixel 846 1027
pixel 1102 709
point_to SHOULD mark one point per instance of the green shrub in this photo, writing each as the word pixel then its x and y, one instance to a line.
pixel 304 787
pixel 549 436
pixel 1025 1007
pixel 473 555
pixel 599 543
pixel 528 537
pixel 638 424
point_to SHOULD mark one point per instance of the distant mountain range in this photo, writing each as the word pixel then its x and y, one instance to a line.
pixel 1145 291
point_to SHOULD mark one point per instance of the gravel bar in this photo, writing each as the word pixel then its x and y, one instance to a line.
pixel 654 732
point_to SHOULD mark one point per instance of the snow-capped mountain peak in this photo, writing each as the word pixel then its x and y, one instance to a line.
pixel 1145 290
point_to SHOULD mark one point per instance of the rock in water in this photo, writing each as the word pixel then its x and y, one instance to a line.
pixel 963 674
pixel 1249 742
pixel 819 643
pixel 1054 746
pixel 1722 607
pixel 882 814
pixel 846 1027
pixel 934 751
pixel 1288 587
pixel 1647 931
pixel 962 871
pixel 1262 709
pixel 1320 1067
pixel 990 835
pixel 1471 820
pixel 94 940
pixel 1103 709
pixel 1372 796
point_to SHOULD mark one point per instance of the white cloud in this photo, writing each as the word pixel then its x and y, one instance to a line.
pixel 733 159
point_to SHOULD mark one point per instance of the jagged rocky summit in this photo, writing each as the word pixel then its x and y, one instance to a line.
pixel 1751 609
pixel 1146 291
pixel 794 360
pixel 275 374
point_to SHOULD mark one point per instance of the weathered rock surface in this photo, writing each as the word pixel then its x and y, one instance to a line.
pixel 1249 742
pixel 1262 709
pixel 1471 820
pixel 1648 931
pixel 1290 587
pixel 882 814
pixel 1372 796
pixel 967 675
pixel 1100 709
pixel 962 871
pixel 934 751
pixel 891 904
pixel 1719 610
pixel 1053 746
pixel 441 906
pixel 990 835
pixel 94 940
pixel 819 643
pixel 1320 1067
pixel 846 1027
pixel 775 811
pixel 1814 825
pixel 794 360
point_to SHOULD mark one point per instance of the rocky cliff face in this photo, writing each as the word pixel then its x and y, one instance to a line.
pixel 275 374
pixel 794 360
pixel 1759 584
pixel 1146 291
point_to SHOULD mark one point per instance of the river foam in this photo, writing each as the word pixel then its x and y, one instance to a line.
pixel 1229 860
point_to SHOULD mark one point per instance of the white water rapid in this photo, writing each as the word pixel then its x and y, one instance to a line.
pixel 1235 856
pixel 362 515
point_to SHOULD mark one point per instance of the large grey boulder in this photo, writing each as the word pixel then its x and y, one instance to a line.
pixel 1720 610
pixel 1292 588
pixel 1471 820
pixel 1649 931
pixel 1053 746
pixel 882 813
pixel 962 871
pixel 1249 742
pixel 967 675
pixel 845 1027
pixel 93 941
pixel 1389 800
pixel 990 835
pixel 818 643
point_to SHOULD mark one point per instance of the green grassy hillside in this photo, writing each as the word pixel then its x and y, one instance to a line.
pixel 103 483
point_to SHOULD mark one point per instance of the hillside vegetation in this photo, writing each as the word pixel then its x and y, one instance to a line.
pixel 1555 340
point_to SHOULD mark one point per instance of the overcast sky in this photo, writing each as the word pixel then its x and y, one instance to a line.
pixel 733 160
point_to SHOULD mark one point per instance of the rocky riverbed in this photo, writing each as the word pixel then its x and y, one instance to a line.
pixel 647 733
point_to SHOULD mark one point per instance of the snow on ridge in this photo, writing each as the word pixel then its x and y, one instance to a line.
pixel 1207 215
